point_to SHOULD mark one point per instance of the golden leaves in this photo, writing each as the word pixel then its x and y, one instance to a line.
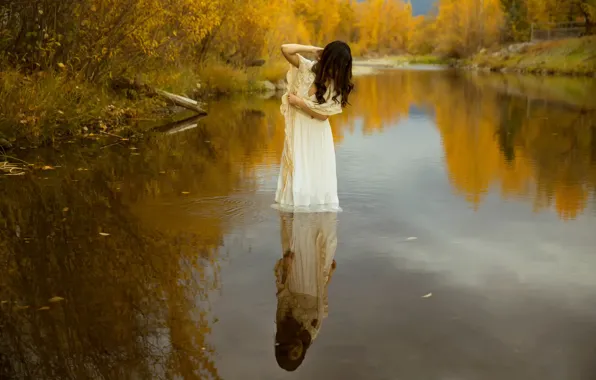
pixel 55 299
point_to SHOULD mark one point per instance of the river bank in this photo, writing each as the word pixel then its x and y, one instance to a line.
pixel 44 107
pixel 568 57
pixel 576 56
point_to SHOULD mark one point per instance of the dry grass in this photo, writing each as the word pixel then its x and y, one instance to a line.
pixel 571 57
pixel 222 79
pixel 272 71
pixel 47 106
pixel 43 107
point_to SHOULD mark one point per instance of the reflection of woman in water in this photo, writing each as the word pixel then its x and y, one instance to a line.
pixel 309 241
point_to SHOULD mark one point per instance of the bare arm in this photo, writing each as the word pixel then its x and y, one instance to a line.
pixel 291 51
pixel 299 103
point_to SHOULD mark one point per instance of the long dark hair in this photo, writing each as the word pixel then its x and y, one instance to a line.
pixel 334 66
pixel 292 341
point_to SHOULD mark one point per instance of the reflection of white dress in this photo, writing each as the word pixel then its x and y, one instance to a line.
pixel 303 276
pixel 307 179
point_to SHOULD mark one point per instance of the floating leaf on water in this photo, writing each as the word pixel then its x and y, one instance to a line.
pixel 185 192
pixel 3 302
pixel 135 154
pixel 412 238
pixel 21 307
pixel 47 167
pixel 61 65
pixel 55 299
pixel 43 308
pixel 65 209
pixel 162 172
pixel 132 148
pixel 427 295
pixel 104 234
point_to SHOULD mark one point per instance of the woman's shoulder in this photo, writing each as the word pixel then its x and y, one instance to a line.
pixel 304 63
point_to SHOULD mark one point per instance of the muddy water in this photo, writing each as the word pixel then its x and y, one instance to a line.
pixel 465 249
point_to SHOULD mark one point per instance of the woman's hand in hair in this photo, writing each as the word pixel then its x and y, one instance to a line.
pixel 318 51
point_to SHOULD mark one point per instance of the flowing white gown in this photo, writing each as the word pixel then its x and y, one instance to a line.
pixel 307 179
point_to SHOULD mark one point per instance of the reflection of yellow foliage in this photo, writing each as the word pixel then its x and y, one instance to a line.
pixel 550 147
pixel 570 200
pixel 541 152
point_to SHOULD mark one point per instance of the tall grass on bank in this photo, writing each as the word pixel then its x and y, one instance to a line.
pixel 44 106
pixel 576 56
pixel 272 71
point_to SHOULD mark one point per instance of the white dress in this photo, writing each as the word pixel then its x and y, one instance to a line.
pixel 307 179
pixel 309 243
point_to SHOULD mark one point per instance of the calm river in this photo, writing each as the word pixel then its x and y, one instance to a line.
pixel 466 249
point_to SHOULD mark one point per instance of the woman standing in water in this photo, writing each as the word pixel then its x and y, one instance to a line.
pixel 316 90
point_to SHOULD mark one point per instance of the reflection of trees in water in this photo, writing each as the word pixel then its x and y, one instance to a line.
pixel 130 307
pixel 533 137
pixel 136 301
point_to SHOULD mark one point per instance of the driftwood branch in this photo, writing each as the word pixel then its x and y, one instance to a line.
pixel 182 101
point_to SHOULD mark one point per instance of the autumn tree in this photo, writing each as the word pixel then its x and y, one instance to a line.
pixel 467 25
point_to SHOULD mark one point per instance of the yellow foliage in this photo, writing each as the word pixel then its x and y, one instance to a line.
pixel 464 26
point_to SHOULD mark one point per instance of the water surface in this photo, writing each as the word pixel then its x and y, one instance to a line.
pixel 465 249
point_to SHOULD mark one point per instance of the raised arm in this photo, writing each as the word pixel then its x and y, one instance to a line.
pixel 291 51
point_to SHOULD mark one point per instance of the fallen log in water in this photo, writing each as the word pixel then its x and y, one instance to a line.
pixel 120 83
pixel 179 126
pixel 181 101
